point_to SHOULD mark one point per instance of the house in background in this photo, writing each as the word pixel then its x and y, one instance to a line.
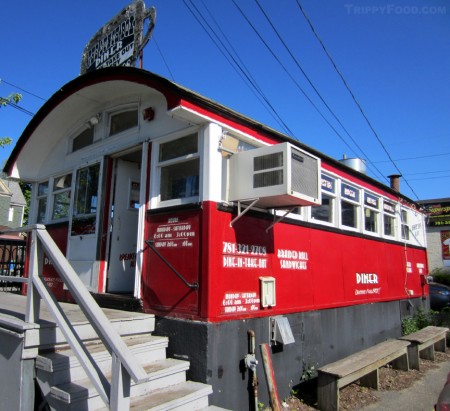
pixel 12 204
pixel 12 245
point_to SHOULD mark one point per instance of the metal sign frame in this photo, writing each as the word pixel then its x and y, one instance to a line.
pixel 120 41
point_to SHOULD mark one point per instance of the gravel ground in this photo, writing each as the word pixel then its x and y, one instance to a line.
pixel 354 397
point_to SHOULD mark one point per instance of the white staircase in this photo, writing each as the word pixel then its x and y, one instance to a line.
pixel 73 368
pixel 65 385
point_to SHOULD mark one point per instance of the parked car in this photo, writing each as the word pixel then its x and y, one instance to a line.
pixel 439 296
pixel 443 402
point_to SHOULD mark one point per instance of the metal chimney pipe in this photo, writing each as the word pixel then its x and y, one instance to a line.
pixel 395 181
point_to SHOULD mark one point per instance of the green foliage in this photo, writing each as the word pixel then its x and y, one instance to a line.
pixel 409 326
pixel 26 190
pixel 309 372
pixel 419 320
pixel 441 276
pixel 13 98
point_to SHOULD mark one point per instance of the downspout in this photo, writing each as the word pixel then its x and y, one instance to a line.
pixel 251 362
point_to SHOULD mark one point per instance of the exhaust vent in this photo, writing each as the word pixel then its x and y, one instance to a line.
pixel 357 164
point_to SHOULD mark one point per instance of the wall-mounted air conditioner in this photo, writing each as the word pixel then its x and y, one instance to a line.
pixel 280 176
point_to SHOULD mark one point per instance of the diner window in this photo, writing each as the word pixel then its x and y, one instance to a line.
pixel 180 168
pixel 324 212
pixel 349 205
pixel 42 192
pixel 61 196
pixel 85 200
pixel 122 121
pixel 405 225
pixel 84 139
pixel 371 213
pixel 389 218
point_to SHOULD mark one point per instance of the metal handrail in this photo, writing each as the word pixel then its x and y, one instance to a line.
pixel 124 365
pixel 193 285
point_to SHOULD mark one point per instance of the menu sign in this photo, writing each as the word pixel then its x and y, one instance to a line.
pixel 438 214
pixel 119 42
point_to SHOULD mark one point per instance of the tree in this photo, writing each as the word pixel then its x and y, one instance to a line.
pixel 13 98
pixel 26 190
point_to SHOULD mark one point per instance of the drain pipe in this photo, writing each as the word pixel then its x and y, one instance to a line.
pixel 251 362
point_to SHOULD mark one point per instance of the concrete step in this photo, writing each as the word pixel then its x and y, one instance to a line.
pixel 187 396
pixel 62 366
pixel 80 394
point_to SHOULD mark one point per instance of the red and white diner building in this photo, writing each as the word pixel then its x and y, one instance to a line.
pixel 219 225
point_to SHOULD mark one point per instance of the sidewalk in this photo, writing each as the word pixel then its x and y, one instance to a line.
pixel 421 396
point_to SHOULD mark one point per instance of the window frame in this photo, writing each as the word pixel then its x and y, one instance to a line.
pixel 373 208
pixel 159 165
pixel 328 189
pixel 57 191
pixel 343 198
pixel 404 224
pixel 81 131
pixel 117 112
pixel 386 212
pixel 42 197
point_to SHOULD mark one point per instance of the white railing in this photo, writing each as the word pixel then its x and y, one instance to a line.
pixel 115 394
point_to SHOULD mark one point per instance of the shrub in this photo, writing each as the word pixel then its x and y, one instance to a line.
pixel 419 320
pixel 441 276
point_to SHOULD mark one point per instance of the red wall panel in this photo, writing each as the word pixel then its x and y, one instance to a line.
pixel 314 268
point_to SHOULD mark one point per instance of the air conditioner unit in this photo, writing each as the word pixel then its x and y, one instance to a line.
pixel 280 176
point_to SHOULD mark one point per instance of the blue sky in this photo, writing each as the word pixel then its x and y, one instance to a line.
pixel 394 56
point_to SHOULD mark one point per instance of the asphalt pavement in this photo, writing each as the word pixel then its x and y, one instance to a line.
pixel 421 396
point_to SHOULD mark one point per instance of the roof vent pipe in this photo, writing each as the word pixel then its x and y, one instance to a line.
pixel 395 181
pixel 357 164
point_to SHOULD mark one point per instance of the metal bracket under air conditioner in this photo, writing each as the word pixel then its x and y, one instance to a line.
pixel 277 220
pixel 248 208
pixel 241 213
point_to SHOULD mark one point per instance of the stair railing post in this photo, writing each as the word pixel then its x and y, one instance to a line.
pixel 119 397
pixel 34 268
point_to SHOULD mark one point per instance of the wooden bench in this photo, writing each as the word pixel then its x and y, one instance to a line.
pixel 362 366
pixel 423 344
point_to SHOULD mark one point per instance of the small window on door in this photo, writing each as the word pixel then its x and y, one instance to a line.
pixel 135 189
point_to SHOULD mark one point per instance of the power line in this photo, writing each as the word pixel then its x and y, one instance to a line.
pixel 23 90
pixel 429 178
pixel 163 59
pixel 244 74
pixel 428 172
pixel 309 81
pixel 17 107
pixel 415 158
pixel 352 95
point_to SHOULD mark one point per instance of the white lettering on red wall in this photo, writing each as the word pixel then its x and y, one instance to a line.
pixel 240 302
pixel 174 234
pixel 293 259
pixel 363 278
pixel 237 255
pixel 367 279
